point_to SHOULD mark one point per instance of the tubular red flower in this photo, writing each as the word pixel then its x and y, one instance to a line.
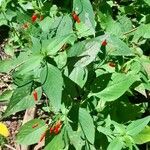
pixel 35 95
pixel 51 130
pixel 57 127
pixel 104 43
pixel 75 17
pixel 34 18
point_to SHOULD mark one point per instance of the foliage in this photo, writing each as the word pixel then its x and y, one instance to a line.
pixel 88 63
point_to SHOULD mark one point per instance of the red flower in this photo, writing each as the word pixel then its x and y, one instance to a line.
pixel 51 130
pixel 104 43
pixel 56 128
pixel 34 18
pixel 75 17
pixel 35 95
pixel 35 125
pixel 112 64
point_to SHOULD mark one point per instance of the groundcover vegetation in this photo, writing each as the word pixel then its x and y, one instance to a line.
pixel 86 64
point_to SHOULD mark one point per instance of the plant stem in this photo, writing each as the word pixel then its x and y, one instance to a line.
pixel 130 31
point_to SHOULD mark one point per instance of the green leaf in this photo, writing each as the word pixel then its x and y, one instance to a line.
pixel 6 95
pixel 33 62
pixel 50 23
pixel 116 144
pixel 147 1
pixel 57 143
pixel 28 135
pixel 87 125
pixel 117 47
pixel 85 10
pixel 75 138
pixel 143 136
pixel 52 81
pixel 89 54
pixel 105 130
pixel 79 76
pixel 6 65
pixel 61 59
pixel 36 45
pixel 77 49
pixel 20 100
pixel 120 84
pixel 84 29
pixel 142 31
pixel 137 126
pixel 56 43
pixel 65 26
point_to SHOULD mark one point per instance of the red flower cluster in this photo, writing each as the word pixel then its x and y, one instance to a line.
pixel 56 128
pixel 75 17
pixel 35 17
pixel 35 95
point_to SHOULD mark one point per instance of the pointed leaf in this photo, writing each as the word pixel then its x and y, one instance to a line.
pixel 57 143
pixel 143 136
pixel 20 100
pixel 52 80
pixel 31 132
pixel 116 144
pixel 87 125
pixel 56 43
pixel 137 126
pixel 117 88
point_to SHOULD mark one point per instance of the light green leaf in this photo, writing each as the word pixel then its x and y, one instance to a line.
pixel 57 143
pixel 36 45
pixel 65 26
pixel 79 76
pixel 84 29
pixel 116 144
pixel 20 100
pixel 147 1
pixel 89 54
pixel 142 31
pixel 61 59
pixel 143 136
pixel 77 49
pixel 6 95
pixel 84 9
pixel 33 62
pixel 52 81
pixel 120 84
pixel 87 125
pixel 117 47
pixel 28 135
pixel 105 130
pixel 75 137
pixel 56 43
pixel 137 126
